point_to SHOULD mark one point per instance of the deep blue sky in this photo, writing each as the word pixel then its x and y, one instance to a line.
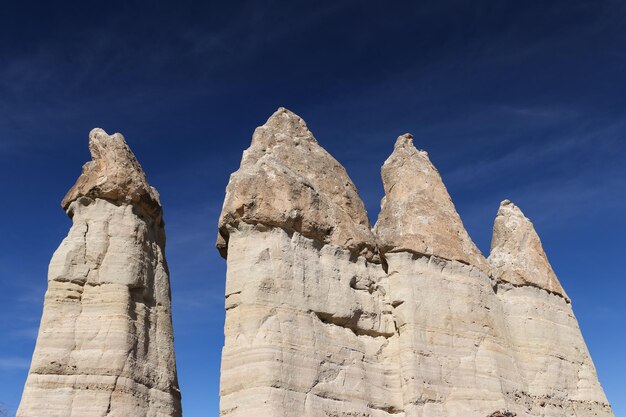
pixel 519 100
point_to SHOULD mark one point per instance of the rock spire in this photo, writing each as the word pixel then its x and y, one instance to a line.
pixel 417 214
pixel 105 344
pixel 325 318
pixel 286 179
pixel 517 255
pixel 114 174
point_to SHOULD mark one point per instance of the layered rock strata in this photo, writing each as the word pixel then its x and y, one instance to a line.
pixel 327 318
pixel 105 344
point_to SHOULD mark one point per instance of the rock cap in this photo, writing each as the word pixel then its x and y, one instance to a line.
pixel 286 179
pixel 114 174
pixel 517 255
pixel 417 214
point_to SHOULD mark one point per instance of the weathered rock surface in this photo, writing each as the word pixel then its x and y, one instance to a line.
pixel 324 318
pixel 417 214
pixel 105 344
pixel 114 174
pixel 550 352
pixel 286 179
pixel 516 252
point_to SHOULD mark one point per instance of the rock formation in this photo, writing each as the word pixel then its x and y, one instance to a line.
pixel 516 252
pixel 417 214
pixel 327 318
pixel 105 344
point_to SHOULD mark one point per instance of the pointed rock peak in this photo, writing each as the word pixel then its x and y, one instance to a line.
pixel 286 120
pixel 283 127
pixel 114 174
pixel 517 255
pixel 286 179
pixel 403 141
pixel 404 145
pixel 417 214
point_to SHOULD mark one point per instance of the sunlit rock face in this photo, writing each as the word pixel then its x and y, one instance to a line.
pixel 327 318
pixel 417 214
pixel 551 355
pixel 105 344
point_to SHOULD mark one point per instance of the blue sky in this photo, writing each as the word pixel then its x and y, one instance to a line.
pixel 518 100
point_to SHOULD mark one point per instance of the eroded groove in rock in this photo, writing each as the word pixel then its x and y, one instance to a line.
pixel 105 343
pixel 325 318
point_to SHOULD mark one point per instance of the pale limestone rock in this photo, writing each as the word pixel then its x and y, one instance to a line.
pixel 417 214
pixel 308 330
pixel 286 179
pixel 516 252
pixel 453 350
pixel 550 351
pixel 554 364
pixel 105 344
pixel 317 328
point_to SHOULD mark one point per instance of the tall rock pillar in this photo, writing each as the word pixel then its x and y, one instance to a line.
pixel 105 344
pixel 453 353
pixel 551 355
pixel 326 317
pixel 308 330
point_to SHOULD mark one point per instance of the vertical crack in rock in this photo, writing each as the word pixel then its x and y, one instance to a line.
pixel 326 318
pixel 105 343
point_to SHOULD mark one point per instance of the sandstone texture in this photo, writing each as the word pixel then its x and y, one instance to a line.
pixel 114 174
pixel 105 344
pixel 286 179
pixel 417 214
pixel 516 252
pixel 327 318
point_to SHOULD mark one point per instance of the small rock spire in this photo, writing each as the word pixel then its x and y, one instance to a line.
pixel 417 213
pixel 517 255
pixel 114 174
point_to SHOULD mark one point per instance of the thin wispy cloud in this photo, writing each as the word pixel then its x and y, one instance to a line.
pixel 14 363
pixel 26 333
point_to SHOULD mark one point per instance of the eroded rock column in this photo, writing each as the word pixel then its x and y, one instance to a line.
pixel 105 344
pixel 308 328
pixel 325 317
pixel 551 355
pixel 454 357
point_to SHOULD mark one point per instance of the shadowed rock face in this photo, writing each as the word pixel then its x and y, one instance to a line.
pixel 105 344
pixel 325 318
